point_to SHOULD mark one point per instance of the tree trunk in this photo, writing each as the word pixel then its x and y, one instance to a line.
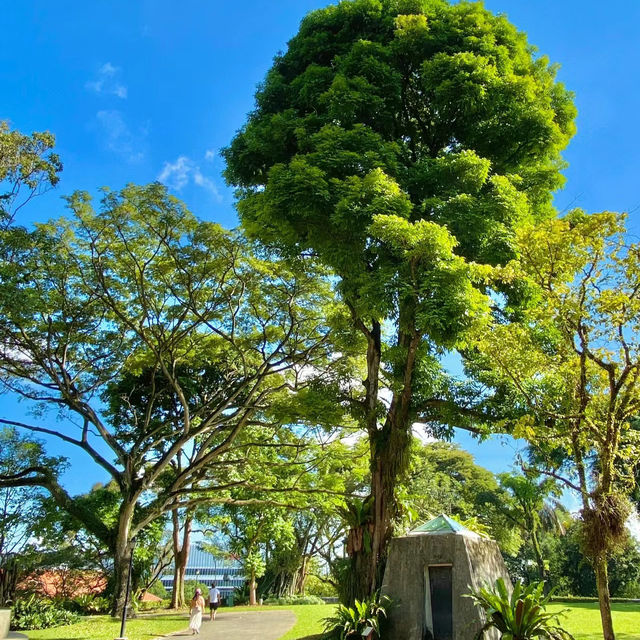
pixel 252 589
pixel 604 598
pixel 122 558
pixel 389 455
pixel 542 569
pixel 300 579
pixel 180 557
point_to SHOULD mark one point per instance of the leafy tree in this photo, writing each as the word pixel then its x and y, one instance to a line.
pixel 533 506
pixel 66 541
pixel 20 512
pixel 402 142
pixel 281 515
pixel 28 167
pixel 443 478
pixel 574 575
pixel 149 334
pixel 573 365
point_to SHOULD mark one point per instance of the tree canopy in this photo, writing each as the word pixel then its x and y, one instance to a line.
pixel 153 337
pixel 402 143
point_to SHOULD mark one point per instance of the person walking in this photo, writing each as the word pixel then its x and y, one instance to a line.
pixel 197 607
pixel 214 601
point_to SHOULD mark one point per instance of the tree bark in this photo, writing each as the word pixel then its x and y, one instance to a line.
pixel 542 569
pixel 388 454
pixel 604 598
pixel 122 558
pixel 180 557
pixel 252 589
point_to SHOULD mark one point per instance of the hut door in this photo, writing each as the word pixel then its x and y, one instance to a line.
pixel 441 600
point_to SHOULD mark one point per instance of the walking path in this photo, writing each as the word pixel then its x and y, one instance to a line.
pixel 244 625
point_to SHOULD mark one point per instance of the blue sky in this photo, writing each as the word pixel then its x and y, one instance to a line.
pixel 142 90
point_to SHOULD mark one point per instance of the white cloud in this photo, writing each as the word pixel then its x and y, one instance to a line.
pixel 107 82
pixel 118 137
pixel 178 174
pixel 209 155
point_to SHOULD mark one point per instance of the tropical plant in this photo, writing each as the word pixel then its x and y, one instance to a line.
pixel 349 622
pixel 519 616
pixel 40 613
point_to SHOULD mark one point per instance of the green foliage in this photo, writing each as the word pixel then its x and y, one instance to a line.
pixel 519 616
pixel 573 573
pixel 348 622
pixel 87 604
pixel 306 599
pixel 28 167
pixel 190 587
pixel 39 613
pixel 379 140
pixel 442 478
pixel 315 586
pixel 158 589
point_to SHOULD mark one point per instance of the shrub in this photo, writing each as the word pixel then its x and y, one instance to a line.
pixel 522 615
pixel 289 600
pixel 190 587
pixel 144 605
pixel 158 589
pixel 87 604
pixel 317 587
pixel 39 613
pixel 349 622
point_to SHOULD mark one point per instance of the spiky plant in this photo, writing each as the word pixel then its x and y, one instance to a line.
pixel 519 616
pixel 349 622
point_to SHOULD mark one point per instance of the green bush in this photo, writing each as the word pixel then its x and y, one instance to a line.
pixel 317 587
pixel 190 587
pixel 39 613
pixel 520 615
pixel 241 595
pixel 288 600
pixel 158 589
pixel 87 604
pixel 153 606
pixel 349 622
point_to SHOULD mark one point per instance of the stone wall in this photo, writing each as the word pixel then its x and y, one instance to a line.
pixel 5 617
pixel 474 561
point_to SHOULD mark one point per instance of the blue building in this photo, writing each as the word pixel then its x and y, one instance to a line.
pixel 204 567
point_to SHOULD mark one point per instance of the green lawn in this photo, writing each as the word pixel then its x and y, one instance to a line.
pixel 106 628
pixel 583 620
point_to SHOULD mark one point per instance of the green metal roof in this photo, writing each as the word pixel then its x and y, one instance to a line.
pixel 441 524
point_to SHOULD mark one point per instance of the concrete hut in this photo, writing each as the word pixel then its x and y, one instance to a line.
pixel 428 571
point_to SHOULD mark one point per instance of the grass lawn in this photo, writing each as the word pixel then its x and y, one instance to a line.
pixel 106 628
pixel 583 620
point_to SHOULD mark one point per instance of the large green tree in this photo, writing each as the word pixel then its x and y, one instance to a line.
pixel 573 366
pixel 150 336
pixel 402 142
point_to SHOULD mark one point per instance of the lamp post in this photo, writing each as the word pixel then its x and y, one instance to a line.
pixel 123 624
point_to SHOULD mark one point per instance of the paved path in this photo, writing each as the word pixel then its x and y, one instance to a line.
pixel 244 625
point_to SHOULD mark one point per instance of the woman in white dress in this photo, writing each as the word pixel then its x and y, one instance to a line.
pixel 197 607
